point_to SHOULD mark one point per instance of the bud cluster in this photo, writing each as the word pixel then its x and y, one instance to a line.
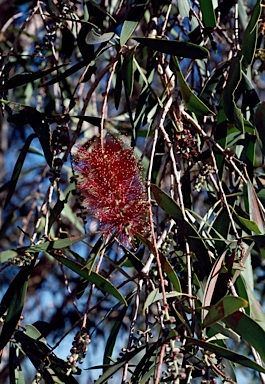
pixel 60 139
pixel 78 350
pixel 21 260
pixel 203 173
pixel 186 145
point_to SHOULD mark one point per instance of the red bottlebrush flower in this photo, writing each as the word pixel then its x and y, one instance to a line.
pixel 112 189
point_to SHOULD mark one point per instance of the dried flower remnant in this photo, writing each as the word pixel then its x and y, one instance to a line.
pixel 112 189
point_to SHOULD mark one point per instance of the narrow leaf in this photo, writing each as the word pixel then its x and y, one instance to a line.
pixel 155 296
pixel 195 240
pixel 249 224
pixel 208 14
pixel 166 266
pixel 249 40
pixel 259 119
pixel 191 101
pixel 117 366
pixel 211 282
pixel 233 113
pixel 56 244
pixel 95 38
pixel 68 72
pixel 127 72
pixel 134 16
pixel 255 208
pixel 45 360
pixel 249 330
pixel 91 276
pixel 38 122
pixel 25 78
pixel 13 302
pixel 174 47
pixel 113 336
pixel 6 255
pixel 227 353
pixel 17 168
pixel 225 307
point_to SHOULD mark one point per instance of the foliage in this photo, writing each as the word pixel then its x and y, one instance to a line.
pixel 180 84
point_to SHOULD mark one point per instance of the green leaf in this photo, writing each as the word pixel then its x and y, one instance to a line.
pixel 117 366
pixel 17 168
pixel 174 47
pixel 166 266
pixel 25 78
pixel 155 296
pixel 255 310
pixel 133 259
pixel 242 291
pixel 13 302
pixel 249 224
pixel 15 373
pixel 95 38
pixel 56 244
pixel 259 119
pixel 226 306
pixel 148 360
pixel 195 241
pixel 215 78
pixel 233 113
pixel 227 353
pixel 6 255
pixel 184 7
pixel 171 274
pixel 255 210
pixel 191 101
pixel 91 276
pixel 248 329
pixel 249 40
pixel 113 336
pixel 134 16
pixel 67 73
pixel 34 333
pixel 212 281
pixel 127 72
pixel 89 262
pixel 38 122
pixel 208 14
pixel 44 360
pixel 55 212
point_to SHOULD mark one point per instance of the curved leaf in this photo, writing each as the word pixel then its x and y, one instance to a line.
pixel 226 306
pixel 93 277
pixel 196 242
pixel 249 40
pixel 191 101
pixel 134 16
pixel 39 124
pixel 227 353
pixel 55 244
pixel 248 329
pixel 113 336
pixel 25 78
pixel 155 296
pixel 6 255
pixel 13 302
pixel 95 38
pixel 17 168
pixel 233 113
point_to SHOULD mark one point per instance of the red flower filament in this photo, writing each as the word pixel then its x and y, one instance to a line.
pixel 112 189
